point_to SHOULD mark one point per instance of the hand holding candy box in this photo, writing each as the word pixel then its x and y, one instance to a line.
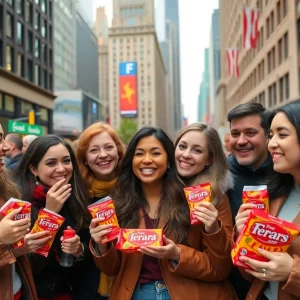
pixel 257 195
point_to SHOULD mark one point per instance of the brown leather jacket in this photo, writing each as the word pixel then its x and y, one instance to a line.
pixel 24 270
pixel 290 289
pixel 201 273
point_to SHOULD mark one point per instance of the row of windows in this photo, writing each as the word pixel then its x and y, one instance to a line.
pixel 26 8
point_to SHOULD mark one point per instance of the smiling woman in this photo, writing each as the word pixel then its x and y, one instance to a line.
pixel 49 178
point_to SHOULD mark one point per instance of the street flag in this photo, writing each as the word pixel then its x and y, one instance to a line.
pixel 128 89
pixel 250 27
pixel 232 60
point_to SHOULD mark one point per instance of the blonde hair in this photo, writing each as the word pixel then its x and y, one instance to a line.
pixel 8 188
pixel 218 168
pixel 83 144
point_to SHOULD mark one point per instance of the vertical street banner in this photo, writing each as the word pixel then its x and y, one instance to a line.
pixel 250 27
pixel 233 62
pixel 128 89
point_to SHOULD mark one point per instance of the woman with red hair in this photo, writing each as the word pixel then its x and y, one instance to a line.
pixel 99 154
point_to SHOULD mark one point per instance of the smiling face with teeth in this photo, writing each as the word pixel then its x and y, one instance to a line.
pixel 102 156
pixel 55 165
pixel 284 146
pixel 248 141
pixel 150 160
pixel 192 153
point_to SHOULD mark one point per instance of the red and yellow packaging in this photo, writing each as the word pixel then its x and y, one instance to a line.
pixel 257 195
pixel 105 209
pixel 13 204
pixel 195 195
pixel 263 231
pixel 130 240
pixel 47 221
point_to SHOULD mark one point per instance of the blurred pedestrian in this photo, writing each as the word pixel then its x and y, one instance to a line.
pixel 99 154
pixel 27 140
pixel 15 154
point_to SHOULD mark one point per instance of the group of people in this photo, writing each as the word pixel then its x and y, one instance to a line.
pixel 146 183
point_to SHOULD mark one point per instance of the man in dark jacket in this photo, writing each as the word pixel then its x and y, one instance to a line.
pixel 15 154
pixel 249 162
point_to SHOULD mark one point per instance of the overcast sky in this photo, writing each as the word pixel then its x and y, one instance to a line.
pixel 195 22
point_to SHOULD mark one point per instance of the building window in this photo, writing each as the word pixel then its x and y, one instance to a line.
pixel 9 58
pixel 20 7
pixel 270 96
pixel 269 63
pixel 278 13
pixel 281 89
pixel 9 25
pixel 280 51
pixel 37 22
pixel 284 8
pixel 298 31
pixel 30 42
pixel 268 27
pixel 43 6
pixel 20 33
pixel 272 22
pixel 274 94
pixel 9 103
pixel 37 48
pixel 50 9
pixel 37 2
pixel 29 70
pixel 37 73
pixel 10 2
pixel 43 114
pixel 44 28
pixel 286 46
pixel 1 101
pixel 20 65
pixel 26 107
pixel 45 79
pixel 28 12
pixel 287 86
pixel 44 53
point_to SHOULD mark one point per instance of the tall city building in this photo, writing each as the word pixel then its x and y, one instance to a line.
pixel 65 45
pixel 214 65
pixel 203 99
pixel 86 10
pixel 101 32
pixel 26 61
pixel 172 35
pixel 269 74
pixel 132 38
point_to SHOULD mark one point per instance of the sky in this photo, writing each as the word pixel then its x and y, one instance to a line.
pixel 195 23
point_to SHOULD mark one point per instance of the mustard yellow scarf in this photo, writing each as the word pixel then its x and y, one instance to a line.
pixel 102 189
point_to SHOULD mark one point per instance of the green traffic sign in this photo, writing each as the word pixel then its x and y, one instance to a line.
pixel 24 128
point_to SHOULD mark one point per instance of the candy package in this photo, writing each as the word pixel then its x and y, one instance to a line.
pixel 47 221
pixel 105 209
pixel 195 195
pixel 130 240
pixel 12 204
pixel 263 231
pixel 257 195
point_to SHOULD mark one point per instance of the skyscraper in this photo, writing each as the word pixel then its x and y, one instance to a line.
pixel 101 32
pixel 132 38
pixel 172 35
pixel 86 10
pixel 65 45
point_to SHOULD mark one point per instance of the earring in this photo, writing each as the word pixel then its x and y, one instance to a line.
pixel 36 180
pixel 168 166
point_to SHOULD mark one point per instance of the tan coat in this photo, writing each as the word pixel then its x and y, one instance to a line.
pixel 24 271
pixel 202 271
pixel 290 289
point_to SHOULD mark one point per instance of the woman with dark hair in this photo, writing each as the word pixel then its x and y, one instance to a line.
pixel 99 153
pixel 15 272
pixel 149 194
pixel 279 278
pixel 49 177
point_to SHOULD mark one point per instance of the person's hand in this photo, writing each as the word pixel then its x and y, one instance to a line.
pixel 57 195
pixel 12 231
pixel 98 232
pixel 169 251
pixel 206 213
pixel 71 245
pixel 277 269
pixel 32 242
pixel 243 215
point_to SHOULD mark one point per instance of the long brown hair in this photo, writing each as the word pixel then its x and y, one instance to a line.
pixel 129 197
pixel 8 188
pixel 83 145
pixel 218 168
